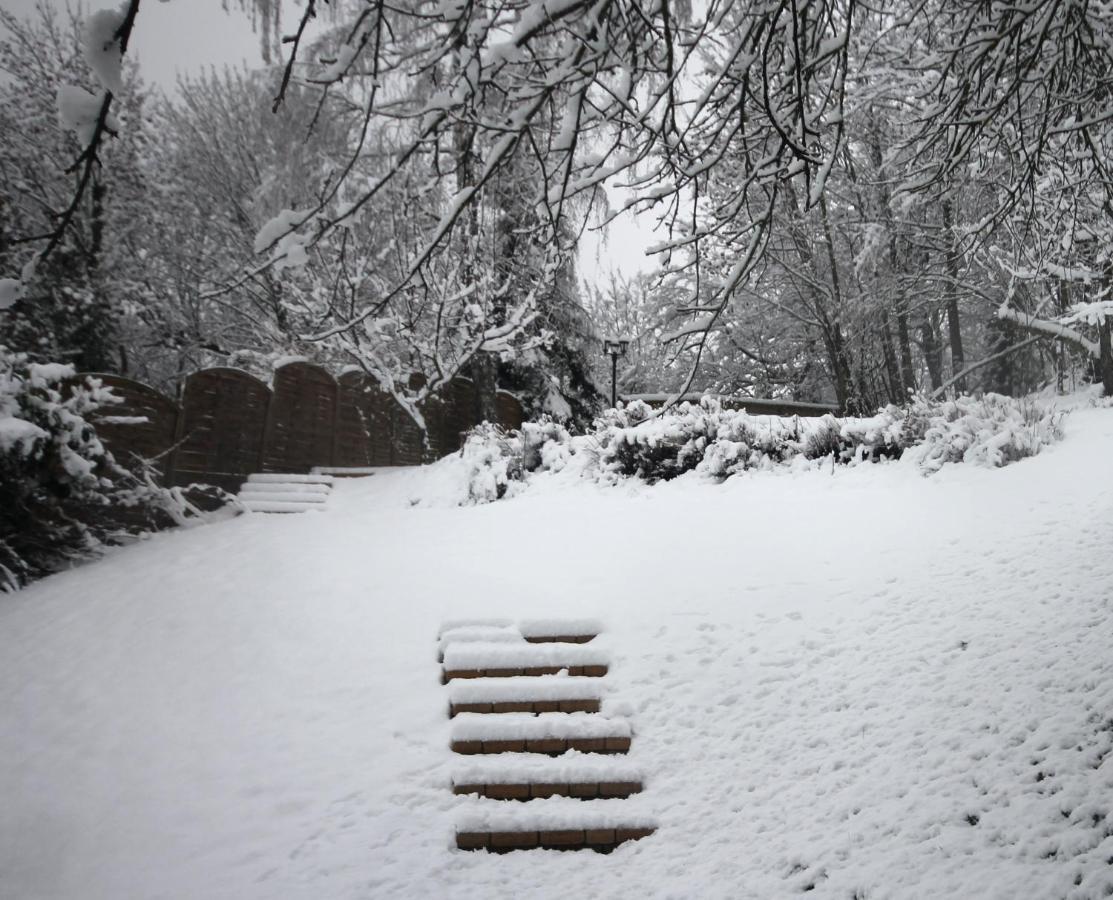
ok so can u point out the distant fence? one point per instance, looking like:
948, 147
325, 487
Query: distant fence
229, 424
755, 406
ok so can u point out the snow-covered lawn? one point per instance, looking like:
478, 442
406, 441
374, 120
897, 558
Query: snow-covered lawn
866, 682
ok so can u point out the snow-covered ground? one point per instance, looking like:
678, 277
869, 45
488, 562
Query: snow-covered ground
864, 683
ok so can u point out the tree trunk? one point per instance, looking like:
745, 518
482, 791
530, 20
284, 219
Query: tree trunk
485, 376
1105, 356
933, 352
892, 374
958, 358
483, 365
907, 372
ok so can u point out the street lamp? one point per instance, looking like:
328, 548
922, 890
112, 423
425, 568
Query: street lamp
615, 347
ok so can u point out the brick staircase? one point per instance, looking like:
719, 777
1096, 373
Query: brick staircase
527, 711
272, 492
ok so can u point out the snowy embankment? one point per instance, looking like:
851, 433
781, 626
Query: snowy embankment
859, 682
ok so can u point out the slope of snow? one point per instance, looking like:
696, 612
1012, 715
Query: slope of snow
862, 683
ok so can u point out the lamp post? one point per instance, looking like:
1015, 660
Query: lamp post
615, 347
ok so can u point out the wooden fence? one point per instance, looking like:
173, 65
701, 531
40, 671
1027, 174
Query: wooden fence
228, 424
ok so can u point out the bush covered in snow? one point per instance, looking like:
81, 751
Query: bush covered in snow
492, 460
633, 442
61, 492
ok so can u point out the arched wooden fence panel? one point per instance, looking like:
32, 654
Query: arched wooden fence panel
364, 432
221, 430
142, 426
302, 419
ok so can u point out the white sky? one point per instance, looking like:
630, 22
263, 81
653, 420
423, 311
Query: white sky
186, 36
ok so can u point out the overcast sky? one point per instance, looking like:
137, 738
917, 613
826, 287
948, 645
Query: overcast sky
186, 36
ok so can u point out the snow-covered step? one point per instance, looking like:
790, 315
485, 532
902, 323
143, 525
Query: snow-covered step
558, 823
502, 660
566, 631
461, 624
465, 634
278, 506
551, 733
289, 487
276, 492
284, 478
279, 493
523, 777
531, 768
545, 693
344, 471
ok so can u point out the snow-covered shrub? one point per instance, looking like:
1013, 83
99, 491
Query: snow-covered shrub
632, 442
991, 430
824, 438
873, 438
545, 445
492, 460
61, 492
656, 449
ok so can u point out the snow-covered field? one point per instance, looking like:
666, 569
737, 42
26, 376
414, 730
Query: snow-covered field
864, 683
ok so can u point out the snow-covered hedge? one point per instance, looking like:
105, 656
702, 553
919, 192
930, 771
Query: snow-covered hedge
61, 492
630, 442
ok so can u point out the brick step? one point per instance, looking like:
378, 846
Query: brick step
478, 634
549, 733
537, 694
570, 768
275, 506
583, 790
457, 624
512, 659
529, 672
560, 631
508, 659
566, 705
549, 746
281, 495
287, 478
285, 487
344, 471
601, 840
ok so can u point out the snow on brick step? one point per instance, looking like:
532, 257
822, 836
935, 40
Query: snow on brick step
529, 768
544, 693
292, 487
345, 471
457, 624
571, 631
276, 506
478, 634
279, 495
553, 823
277, 477
551, 733
500, 660
534, 790
597, 839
